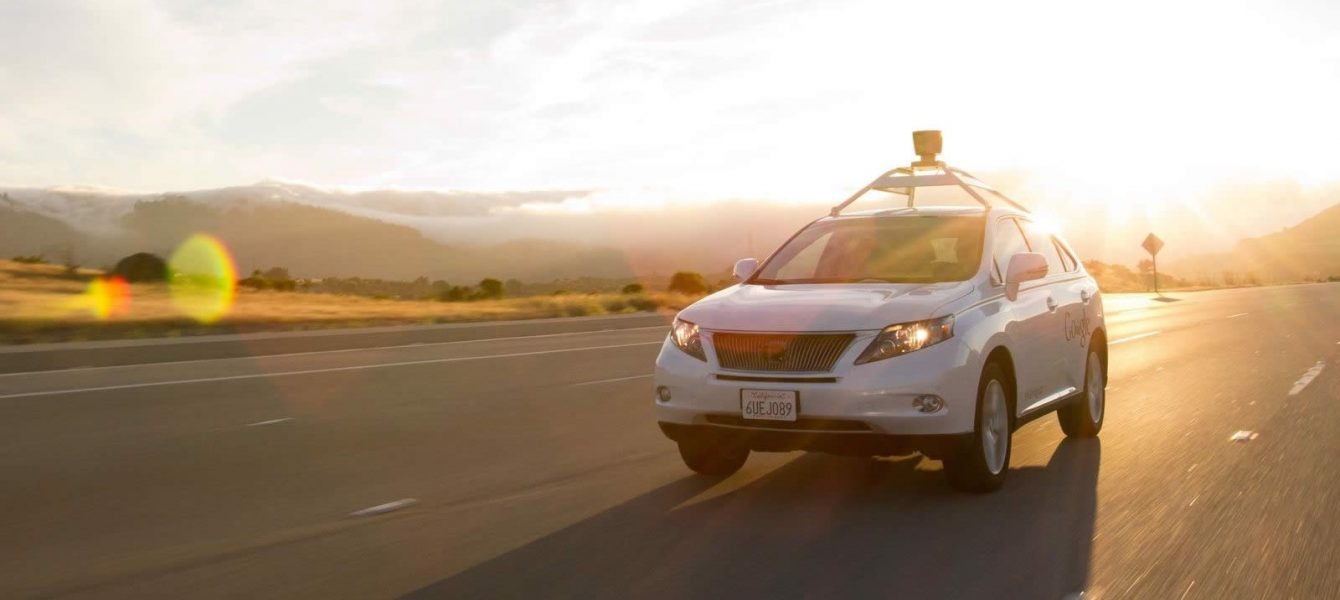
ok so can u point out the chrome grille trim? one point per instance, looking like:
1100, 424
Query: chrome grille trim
780, 352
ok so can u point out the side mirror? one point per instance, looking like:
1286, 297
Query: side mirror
744, 268
1024, 266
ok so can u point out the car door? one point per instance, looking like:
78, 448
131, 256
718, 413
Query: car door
1079, 311
1030, 323
1065, 347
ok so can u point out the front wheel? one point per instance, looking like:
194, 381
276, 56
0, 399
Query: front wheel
712, 456
981, 467
1084, 417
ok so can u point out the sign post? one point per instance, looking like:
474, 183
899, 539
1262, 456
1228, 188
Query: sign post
1152, 245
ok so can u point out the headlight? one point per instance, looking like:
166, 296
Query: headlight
685, 335
902, 338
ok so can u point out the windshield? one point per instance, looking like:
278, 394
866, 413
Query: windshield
891, 250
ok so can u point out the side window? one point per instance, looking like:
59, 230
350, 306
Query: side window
1067, 259
1009, 241
1041, 243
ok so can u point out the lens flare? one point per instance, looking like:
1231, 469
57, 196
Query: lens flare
202, 278
106, 297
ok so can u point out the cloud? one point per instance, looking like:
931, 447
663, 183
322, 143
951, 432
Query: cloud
650, 101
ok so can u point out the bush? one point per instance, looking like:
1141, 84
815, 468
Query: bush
141, 267
616, 305
454, 293
643, 303
632, 288
36, 259
688, 282
256, 281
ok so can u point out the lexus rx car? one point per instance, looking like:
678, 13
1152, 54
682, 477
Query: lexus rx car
931, 329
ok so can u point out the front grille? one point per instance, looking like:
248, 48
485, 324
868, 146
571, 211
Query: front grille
780, 351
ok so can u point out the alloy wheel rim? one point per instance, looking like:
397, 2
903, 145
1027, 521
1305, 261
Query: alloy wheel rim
995, 427
1096, 399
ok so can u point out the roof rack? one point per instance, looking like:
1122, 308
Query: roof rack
928, 172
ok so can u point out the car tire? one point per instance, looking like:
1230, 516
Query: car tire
1084, 417
713, 457
982, 466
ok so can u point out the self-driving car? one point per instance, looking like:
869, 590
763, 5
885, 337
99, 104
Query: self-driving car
915, 327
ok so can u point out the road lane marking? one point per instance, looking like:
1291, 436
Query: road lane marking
1236, 316
1132, 338
382, 509
270, 422
313, 371
1307, 378
359, 349
614, 379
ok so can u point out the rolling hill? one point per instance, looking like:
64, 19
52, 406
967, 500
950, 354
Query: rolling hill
310, 241
1307, 251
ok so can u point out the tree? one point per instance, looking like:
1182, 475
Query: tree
140, 267
277, 274
632, 288
688, 282
490, 289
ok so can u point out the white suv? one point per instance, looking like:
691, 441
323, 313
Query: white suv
938, 330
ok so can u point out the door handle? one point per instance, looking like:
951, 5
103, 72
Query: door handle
1051, 304
1084, 296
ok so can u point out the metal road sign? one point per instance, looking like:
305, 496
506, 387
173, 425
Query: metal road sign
1152, 244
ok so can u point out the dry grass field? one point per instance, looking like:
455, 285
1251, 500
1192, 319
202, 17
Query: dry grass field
45, 303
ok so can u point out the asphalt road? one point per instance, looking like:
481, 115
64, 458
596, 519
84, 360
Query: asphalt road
523, 461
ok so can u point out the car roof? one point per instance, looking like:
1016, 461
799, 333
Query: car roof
925, 211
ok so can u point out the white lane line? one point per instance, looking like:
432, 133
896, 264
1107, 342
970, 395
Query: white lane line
1236, 316
1188, 590
312, 371
382, 509
270, 422
1307, 378
314, 352
1243, 435
1132, 338
614, 379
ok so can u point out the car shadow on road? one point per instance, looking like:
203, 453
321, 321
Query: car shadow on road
819, 526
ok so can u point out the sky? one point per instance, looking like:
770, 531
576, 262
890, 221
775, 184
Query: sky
1112, 111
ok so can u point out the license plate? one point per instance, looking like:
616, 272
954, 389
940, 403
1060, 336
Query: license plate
769, 405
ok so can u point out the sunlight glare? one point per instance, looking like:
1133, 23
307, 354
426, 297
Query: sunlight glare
202, 278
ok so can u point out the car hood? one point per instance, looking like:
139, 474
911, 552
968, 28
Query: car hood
822, 307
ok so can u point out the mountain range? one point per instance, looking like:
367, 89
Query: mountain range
393, 234
532, 235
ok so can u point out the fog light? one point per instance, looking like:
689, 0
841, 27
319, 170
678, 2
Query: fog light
662, 393
928, 404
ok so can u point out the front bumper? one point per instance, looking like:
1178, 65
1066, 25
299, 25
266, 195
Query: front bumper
871, 403
851, 444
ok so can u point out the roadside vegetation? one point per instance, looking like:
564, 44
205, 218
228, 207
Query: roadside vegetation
1120, 278
42, 302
